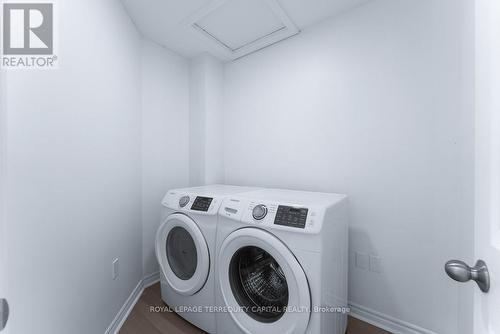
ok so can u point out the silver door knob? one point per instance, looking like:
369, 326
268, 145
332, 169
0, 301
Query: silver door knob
461, 272
4, 313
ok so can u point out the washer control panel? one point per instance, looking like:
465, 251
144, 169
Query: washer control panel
201, 203
291, 216
280, 215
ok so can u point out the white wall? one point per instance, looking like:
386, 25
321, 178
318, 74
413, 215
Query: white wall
3, 179
206, 123
376, 104
165, 139
73, 175
486, 235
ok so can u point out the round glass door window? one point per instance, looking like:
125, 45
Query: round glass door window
181, 253
258, 284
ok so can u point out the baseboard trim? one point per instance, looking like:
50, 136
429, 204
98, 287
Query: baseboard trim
129, 304
119, 319
365, 314
386, 322
151, 279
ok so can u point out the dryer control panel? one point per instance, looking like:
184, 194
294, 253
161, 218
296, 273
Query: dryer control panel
201, 203
192, 203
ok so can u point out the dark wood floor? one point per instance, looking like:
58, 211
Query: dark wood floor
142, 321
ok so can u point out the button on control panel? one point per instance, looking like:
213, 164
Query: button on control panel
291, 216
201, 203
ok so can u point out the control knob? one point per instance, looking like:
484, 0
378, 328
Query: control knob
183, 201
259, 212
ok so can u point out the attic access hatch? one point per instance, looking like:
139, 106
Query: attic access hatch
239, 27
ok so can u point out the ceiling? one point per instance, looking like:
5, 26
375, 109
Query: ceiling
228, 29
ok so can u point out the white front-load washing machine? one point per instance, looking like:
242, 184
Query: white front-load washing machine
185, 248
282, 263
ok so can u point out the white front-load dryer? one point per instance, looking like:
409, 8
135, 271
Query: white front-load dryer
282, 263
185, 248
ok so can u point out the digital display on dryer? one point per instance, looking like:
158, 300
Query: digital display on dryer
201, 203
290, 216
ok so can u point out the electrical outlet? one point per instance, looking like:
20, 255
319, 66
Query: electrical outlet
114, 269
361, 260
375, 264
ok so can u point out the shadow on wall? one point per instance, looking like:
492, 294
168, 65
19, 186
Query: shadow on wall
365, 267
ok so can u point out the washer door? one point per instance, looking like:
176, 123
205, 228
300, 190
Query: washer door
263, 285
182, 253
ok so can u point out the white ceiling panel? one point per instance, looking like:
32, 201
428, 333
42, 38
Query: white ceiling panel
237, 23
242, 25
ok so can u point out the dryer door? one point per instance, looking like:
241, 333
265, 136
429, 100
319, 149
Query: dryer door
262, 283
182, 253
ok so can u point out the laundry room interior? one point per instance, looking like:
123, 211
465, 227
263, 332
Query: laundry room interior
355, 133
